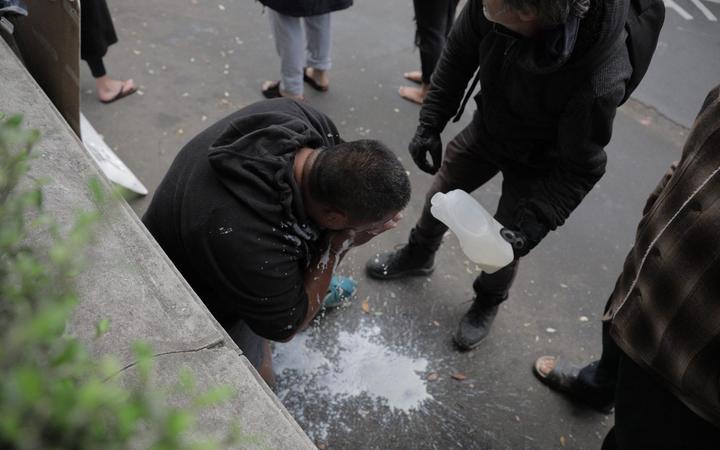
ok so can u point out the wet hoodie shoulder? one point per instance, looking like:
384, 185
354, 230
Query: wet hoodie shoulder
254, 157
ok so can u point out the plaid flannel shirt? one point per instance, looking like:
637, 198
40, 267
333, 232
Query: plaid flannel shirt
665, 308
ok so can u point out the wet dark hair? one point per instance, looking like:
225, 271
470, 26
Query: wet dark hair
553, 12
363, 179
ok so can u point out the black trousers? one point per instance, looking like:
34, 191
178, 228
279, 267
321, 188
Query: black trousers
647, 415
250, 343
97, 67
434, 19
466, 166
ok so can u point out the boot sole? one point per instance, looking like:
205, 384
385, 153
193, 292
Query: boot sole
467, 348
407, 273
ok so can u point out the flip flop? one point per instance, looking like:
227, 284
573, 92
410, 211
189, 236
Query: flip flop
408, 76
314, 84
564, 378
272, 90
561, 378
122, 93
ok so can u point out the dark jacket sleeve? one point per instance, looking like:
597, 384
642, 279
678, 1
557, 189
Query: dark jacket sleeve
584, 130
458, 62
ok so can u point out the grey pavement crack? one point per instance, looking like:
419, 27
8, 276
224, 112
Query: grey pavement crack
213, 345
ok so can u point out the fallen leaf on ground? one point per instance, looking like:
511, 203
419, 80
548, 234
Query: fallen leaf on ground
365, 305
458, 376
433, 376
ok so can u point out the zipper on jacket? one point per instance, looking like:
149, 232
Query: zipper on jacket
476, 79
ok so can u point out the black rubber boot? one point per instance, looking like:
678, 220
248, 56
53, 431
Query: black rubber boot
410, 260
475, 325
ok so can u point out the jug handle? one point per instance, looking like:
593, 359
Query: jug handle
517, 240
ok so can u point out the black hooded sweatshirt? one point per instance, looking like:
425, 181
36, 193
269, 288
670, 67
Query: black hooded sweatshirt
546, 104
230, 215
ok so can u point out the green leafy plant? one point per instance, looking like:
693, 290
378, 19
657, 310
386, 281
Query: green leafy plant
53, 394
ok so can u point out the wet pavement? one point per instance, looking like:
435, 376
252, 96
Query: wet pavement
382, 371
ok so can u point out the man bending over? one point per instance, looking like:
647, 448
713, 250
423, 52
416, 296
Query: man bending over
257, 210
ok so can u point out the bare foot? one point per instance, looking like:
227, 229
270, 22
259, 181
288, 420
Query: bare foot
415, 76
109, 90
414, 94
320, 79
271, 89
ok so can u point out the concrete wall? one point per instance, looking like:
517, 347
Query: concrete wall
130, 281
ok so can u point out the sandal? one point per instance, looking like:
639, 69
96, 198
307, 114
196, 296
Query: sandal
122, 92
561, 378
564, 378
314, 84
271, 89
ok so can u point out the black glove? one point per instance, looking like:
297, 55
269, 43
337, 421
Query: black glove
528, 233
426, 141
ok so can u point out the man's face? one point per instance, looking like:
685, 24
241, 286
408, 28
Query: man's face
380, 225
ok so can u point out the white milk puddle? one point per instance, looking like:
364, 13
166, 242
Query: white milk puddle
356, 364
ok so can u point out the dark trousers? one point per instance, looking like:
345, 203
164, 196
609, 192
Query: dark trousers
466, 166
250, 343
434, 19
647, 415
97, 67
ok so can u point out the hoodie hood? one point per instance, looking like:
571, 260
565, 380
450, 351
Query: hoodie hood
578, 42
256, 152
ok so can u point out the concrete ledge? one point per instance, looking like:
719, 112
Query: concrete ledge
130, 282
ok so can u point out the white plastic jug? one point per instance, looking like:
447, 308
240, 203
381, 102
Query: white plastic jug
476, 229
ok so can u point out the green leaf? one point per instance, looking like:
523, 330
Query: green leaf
96, 191
214, 396
102, 327
186, 380
143, 354
29, 382
129, 416
71, 352
178, 421
14, 121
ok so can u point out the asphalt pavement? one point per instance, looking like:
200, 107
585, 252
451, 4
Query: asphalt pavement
382, 371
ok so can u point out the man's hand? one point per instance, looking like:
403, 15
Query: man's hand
426, 141
361, 237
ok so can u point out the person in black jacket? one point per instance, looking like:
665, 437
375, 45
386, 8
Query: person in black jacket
552, 73
302, 58
257, 210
